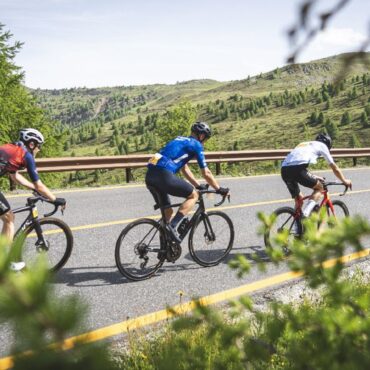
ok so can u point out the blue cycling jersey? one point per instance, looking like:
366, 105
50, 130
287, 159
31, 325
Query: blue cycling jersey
176, 153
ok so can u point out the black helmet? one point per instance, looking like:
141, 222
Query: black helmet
201, 128
326, 139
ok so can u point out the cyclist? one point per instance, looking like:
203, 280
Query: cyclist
294, 169
173, 157
16, 156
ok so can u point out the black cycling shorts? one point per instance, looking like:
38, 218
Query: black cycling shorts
294, 175
4, 204
166, 183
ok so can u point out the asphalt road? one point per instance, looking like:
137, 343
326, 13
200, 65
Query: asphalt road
97, 216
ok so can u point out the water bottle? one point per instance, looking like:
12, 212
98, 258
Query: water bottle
182, 227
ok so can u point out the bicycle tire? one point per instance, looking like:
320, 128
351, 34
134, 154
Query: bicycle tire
63, 238
128, 244
338, 204
284, 217
223, 221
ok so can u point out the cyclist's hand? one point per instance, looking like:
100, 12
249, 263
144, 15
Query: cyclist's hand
60, 202
223, 191
202, 187
348, 183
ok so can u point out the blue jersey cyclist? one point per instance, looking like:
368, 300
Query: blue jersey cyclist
14, 157
172, 158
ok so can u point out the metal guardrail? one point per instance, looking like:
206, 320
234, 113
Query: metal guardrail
129, 162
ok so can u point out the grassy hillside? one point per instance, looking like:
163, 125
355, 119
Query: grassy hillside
272, 110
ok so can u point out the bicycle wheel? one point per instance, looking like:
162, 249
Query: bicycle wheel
284, 222
340, 210
57, 242
139, 249
211, 238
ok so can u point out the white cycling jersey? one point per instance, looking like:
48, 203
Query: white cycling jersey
306, 153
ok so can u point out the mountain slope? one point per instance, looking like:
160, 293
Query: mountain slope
270, 110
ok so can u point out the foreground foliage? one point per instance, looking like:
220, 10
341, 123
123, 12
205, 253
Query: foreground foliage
332, 332
37, 317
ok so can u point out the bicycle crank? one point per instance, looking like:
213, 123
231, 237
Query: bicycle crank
173, 252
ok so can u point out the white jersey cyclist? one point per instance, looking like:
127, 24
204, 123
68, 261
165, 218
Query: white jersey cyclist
294, 169
307, 153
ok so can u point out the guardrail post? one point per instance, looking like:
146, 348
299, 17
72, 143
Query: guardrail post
354, 161
12, 184
128, 175
218, 168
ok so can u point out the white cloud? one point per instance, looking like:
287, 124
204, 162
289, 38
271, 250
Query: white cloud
340, 37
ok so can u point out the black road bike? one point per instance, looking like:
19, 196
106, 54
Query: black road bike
47, 235
145, 244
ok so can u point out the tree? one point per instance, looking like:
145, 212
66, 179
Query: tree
364, 118
176, 122
346, 118
320, 118
332, 128
18, 109
354, 141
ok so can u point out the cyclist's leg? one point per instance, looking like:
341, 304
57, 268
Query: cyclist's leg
154, 180
309, 180
181, 188
289, 176
7, 217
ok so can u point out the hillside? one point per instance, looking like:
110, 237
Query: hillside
272, 110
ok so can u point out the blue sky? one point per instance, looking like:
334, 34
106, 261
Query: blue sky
75, 43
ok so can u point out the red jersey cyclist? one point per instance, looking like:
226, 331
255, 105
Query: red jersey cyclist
294, 169
14, 157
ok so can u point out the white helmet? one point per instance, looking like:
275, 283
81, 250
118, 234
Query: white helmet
28, 134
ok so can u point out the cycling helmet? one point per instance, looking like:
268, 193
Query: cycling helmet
28, 134
325, 138
201, 128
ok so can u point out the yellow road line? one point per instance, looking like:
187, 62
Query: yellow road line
155, 317
113, 187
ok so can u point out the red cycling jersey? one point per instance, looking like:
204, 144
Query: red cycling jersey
14, 157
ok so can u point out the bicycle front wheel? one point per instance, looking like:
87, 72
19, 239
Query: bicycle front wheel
340, 211
211, 238
140, 249
55, 241
284, 222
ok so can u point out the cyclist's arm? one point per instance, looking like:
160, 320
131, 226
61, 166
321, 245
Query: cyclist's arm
21, 180
339, 174
44, 190
208, 176
189, 175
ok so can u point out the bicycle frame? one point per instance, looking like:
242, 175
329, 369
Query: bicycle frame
198, 211
326, 201
30, 219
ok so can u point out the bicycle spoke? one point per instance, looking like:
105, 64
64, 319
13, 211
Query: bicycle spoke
211, 239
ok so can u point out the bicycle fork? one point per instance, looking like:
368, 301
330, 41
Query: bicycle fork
209, 233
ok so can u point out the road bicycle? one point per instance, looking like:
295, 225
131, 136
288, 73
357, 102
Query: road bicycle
145, 244
47, 235
290, 219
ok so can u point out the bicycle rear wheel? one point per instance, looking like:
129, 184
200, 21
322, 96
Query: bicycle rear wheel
211, 238
56, 242
284, 222
139, 249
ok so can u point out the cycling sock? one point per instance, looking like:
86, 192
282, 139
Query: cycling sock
175, 221
309, 207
